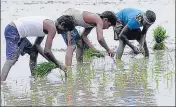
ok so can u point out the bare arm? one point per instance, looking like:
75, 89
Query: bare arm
85, 39
100, 38
94, 18
68, 33
34, 55
50, 27
143, 36
124, 38
39, 48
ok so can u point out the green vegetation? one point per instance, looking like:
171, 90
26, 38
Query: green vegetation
88, 53
43, 69
159, 34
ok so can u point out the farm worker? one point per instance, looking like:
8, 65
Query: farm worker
33, 26
129, 21
88, 21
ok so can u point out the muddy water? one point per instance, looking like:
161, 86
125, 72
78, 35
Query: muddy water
99, 81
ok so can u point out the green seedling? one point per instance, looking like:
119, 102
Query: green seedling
159, 35
159, 46
43, 69
88, 53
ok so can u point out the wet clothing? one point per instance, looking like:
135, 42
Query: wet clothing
30, 26
16, 45
130, 17
16, 41
78, 16
131, 34
75, 36
79, 21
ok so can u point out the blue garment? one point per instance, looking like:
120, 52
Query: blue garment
16, 45
74, 37
128, 17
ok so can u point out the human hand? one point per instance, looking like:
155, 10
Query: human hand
111, 53
62, 66
136, 50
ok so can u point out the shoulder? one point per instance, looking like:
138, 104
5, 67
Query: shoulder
49, 24
49, 21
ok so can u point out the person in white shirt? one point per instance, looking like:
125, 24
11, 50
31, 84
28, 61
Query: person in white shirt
33, 26
88, 21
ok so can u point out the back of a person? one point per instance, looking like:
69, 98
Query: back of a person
125, 15
30, 26
78, 16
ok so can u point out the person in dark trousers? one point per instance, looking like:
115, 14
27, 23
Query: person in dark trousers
129, 21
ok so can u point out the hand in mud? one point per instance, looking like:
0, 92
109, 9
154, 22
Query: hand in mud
136, 50
62, 67
111, 53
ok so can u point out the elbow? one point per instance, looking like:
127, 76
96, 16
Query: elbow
100, 38
46, 52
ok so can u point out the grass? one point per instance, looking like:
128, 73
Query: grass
43, 69
159, 46
88, 54
159, 34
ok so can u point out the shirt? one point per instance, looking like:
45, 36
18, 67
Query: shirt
130, 17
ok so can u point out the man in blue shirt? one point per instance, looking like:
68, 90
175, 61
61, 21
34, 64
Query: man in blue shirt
129, 21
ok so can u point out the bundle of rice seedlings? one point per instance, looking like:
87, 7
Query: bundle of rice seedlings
43, 69
159, 34
89, 53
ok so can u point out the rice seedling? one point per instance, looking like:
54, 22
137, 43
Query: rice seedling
49, 99
159, 35
89, 53
43, 69
159, 46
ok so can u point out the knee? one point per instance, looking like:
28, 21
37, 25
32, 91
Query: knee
71, 48
10, 62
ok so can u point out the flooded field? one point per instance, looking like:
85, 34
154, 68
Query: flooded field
134, 81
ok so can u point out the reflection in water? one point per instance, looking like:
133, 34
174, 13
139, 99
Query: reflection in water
121, 83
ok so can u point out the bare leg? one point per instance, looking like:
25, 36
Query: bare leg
6, 68
120, 49
79, 51
69, 55
33, 61
146, 49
